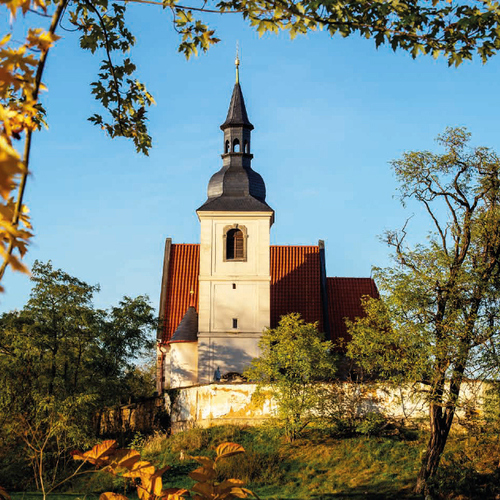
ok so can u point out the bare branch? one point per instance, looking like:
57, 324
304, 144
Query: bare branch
442, 233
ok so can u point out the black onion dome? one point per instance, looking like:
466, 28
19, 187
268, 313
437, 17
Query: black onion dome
187, 331
236, 187
237, 113
236, 180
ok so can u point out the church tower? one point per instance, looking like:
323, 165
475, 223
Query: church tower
234, 279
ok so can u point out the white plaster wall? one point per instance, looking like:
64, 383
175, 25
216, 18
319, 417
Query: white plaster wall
229, 352
232, 290
246, 301
212, 263
183, 364
216, 404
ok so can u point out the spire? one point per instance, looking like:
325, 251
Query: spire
236, 187
237, 113
237, 64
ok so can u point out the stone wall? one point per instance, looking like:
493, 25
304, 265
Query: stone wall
216, 404
232, 403
142, 416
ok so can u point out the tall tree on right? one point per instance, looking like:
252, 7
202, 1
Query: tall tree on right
439, 316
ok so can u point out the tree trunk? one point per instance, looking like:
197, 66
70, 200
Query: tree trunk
441, 420
440, 428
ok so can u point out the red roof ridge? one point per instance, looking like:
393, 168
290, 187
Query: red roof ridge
294, 246
349, 278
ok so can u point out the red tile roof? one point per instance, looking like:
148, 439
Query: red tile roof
344, 301
295, 283
183, 271
295, 287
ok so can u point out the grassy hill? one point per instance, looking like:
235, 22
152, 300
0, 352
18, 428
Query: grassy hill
323, 466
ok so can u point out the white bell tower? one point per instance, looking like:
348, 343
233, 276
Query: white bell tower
234, 280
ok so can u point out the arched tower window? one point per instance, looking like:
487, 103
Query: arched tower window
226, 147
236, 146
235, 246
246, 147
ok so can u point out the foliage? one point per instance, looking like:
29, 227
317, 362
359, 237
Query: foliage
147, 478
469, 470
343, 406
293, 358
372, 424
439, 319
319, 465
62, 360
457, 30
492, 408
347, 409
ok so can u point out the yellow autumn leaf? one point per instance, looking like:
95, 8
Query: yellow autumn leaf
17, 265
15, 5
6, 39
226, 450
173, 494
6, 76
206, 489
202, 474
143, 493
99, 454
112, 496
231, 483
41, 39
152, 484
206, 462
241, 492
12, 260
141, 468
125, 459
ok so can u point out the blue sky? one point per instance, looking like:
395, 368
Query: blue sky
329, 114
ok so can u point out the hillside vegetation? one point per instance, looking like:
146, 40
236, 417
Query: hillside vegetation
323, 465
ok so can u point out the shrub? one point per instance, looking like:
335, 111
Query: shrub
372, 424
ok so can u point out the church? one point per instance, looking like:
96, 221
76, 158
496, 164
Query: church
218, 296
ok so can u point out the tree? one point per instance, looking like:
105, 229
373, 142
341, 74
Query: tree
457, 30
293, 359
439, 318
61, 361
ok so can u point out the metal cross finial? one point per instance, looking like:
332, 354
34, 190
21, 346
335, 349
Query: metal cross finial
237, 63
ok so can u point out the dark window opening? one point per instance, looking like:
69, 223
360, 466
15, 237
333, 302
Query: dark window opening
234, 245
226, 148
246, 147
236, 146
235, 322
234, 286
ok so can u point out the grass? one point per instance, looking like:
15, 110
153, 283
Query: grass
324, 466
318, 466
54, 496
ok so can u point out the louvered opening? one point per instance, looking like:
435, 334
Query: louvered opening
234, 245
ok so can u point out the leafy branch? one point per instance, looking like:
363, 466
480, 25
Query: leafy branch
29, 89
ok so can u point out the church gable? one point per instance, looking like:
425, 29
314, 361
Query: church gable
295, 287
295, 283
